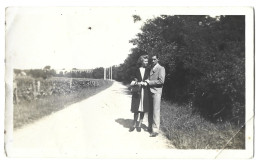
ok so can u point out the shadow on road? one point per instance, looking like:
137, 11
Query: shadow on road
125, 91
127, 123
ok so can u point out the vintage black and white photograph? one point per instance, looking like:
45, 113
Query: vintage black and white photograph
129, 82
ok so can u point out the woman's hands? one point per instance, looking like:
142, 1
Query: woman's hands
143, 83
139, 83
133, 83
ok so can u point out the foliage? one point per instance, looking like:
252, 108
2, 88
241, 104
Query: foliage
79, 74
98, 73
47, 72
40, 73
204, 58
47, 67
188, 130
27, 88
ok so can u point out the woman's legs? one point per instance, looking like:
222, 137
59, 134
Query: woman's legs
141, 119
134, 123
138, 128
135, 119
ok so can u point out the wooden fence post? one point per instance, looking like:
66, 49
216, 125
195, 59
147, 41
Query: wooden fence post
70, 83
16, 99
38, 86
34, 89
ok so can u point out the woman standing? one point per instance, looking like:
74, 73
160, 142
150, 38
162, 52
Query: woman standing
140, 92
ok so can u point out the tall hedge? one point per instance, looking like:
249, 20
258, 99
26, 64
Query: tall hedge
204, 59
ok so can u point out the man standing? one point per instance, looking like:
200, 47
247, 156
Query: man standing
156, 81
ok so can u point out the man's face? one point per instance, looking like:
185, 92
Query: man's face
154, 60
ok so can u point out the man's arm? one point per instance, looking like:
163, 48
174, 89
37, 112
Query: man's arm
161, 78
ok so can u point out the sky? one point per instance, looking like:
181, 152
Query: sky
61, 36
70, 37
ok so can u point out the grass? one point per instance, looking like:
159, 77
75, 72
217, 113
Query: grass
188, 130
28, 112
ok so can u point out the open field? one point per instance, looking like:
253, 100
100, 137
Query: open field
54, 94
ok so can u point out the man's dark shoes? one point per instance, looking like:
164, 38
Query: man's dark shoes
150, 130
131, 129
153, 134
138, 129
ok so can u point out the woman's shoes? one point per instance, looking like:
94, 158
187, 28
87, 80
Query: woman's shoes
131, 129
138, 129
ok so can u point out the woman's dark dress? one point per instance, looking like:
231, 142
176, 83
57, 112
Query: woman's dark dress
136, 98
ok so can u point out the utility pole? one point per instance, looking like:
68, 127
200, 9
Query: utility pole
111, 72
105, 76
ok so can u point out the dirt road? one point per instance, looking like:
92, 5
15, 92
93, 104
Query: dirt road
94, 128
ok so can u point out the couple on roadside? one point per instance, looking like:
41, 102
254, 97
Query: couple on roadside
146, 90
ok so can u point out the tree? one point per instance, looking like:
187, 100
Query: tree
61, 74
98, 73
47, 67
17, 71
204, 58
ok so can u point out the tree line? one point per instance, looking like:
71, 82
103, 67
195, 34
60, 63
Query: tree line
47, 72
204, 58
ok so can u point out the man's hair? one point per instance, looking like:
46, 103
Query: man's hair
157, 56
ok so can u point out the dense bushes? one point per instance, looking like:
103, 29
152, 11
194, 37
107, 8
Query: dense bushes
204, 59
